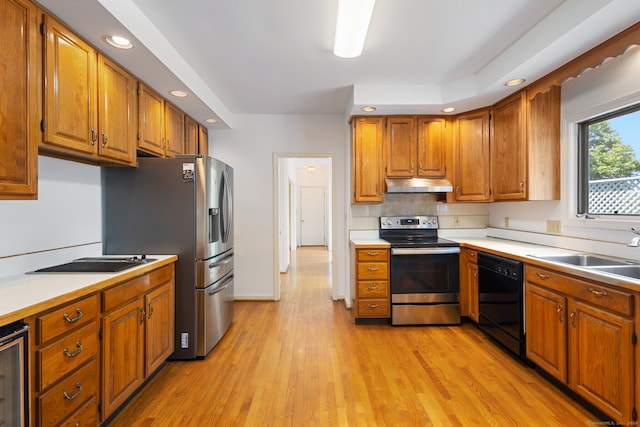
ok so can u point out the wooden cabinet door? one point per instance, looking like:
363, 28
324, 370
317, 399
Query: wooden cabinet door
116, 94
472, 274
19, 100
472, 156
123, 354
431, 147
367, 158
400, 147
602, 359
70, 88
159, 306
203, 140
544, 145
546, 330
191, 135
509, 149
174, 130
150, 121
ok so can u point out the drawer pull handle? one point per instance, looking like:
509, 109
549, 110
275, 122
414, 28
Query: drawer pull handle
372, 305
373, 253
598, 293
372, 269
373, 287
74, 395
74, 319
543, 276
472, 254
75, 353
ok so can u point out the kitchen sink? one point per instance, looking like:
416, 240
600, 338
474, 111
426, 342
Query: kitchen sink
584, 260
631, 271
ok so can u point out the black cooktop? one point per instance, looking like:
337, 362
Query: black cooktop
96, 265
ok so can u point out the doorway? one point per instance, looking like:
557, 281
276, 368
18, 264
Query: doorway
296, 181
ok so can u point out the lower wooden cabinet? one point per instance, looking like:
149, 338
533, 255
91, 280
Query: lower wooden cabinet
89, 355
65, 361
370, 282
469, 283
137, 328
582, 333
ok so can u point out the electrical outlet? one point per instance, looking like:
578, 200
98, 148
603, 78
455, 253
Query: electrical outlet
457, 222
506, 222
553, 226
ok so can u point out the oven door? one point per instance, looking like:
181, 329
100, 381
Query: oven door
425, 275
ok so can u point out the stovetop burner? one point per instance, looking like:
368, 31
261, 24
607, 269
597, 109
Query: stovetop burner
412, 232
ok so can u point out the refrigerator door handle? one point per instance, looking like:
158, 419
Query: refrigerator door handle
220, 287
226, 204
223, 261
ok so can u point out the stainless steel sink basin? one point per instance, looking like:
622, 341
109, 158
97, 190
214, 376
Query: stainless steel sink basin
632, 271
584, 260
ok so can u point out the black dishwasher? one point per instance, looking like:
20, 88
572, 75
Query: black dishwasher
501, 301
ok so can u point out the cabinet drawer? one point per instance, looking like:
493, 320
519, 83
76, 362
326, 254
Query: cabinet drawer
373, 270
595, 293
65, 355
373, 255
68, 395
373, 308
472, 256
373, 289
127, 291
66, 318
87, 415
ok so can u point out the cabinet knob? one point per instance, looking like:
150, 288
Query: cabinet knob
559, 310
104, 139
572, 316
94, 136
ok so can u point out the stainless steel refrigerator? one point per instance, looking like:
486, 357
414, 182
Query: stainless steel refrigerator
181, 206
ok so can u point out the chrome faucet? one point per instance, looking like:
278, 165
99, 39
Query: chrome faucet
635, 242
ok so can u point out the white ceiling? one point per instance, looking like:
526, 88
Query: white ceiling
275, 56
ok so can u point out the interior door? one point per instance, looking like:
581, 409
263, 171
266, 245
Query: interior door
312, 216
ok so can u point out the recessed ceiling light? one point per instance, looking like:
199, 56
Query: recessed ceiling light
368, 109
449, 109
212, 121
514, 82
118, 42
179, 93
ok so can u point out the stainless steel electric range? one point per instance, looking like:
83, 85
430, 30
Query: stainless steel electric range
425, 277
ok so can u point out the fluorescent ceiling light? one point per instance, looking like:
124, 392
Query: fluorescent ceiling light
352, 26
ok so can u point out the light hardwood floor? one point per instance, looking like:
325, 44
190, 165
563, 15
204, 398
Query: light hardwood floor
303, 362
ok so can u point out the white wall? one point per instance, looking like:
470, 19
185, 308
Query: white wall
64, 223
611, 86
249, 147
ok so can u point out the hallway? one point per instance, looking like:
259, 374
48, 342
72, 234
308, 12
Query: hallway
303, 361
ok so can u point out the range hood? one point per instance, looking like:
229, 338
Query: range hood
418, 185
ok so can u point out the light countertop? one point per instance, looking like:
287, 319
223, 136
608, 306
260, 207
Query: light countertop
24, 295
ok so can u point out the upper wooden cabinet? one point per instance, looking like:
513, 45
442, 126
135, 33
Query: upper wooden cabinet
415, 147
174, 130
150, 121
85, 116
203, 140
471, 139
367, 159
509, 148
191, 136
525, 147
19, 99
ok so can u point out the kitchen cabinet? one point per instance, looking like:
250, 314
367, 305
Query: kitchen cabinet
525, 147
150, 121
89, 101
469, 283
370, 283
20, 102
66, 364
203, 140
582, 332
472, 178
138, 332
174, 130
367, 159
191, 135
508, 141
415, 147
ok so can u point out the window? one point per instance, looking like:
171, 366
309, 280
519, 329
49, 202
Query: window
609, 165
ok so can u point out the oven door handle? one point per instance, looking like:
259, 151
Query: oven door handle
424, 251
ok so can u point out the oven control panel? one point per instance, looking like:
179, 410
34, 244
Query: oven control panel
408, 222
